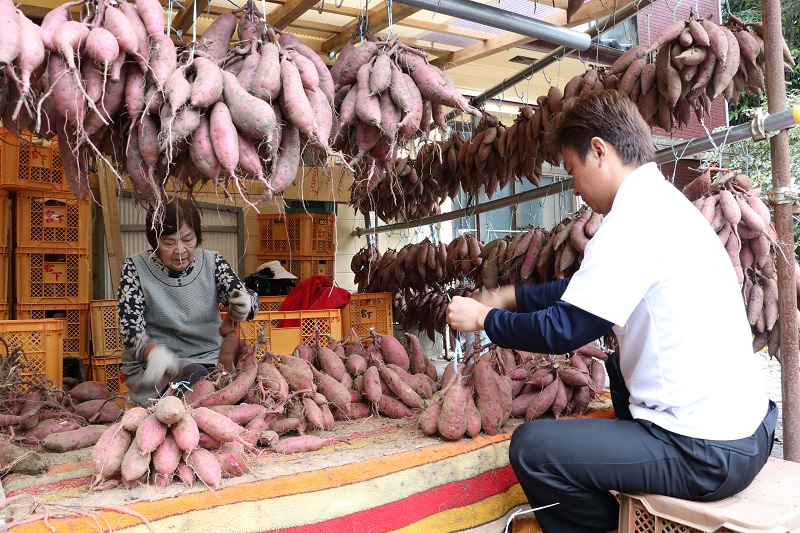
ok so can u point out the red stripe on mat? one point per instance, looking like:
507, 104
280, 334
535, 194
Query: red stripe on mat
54, 486
405, 512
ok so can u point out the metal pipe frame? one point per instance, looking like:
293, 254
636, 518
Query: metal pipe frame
504, 20
756, 128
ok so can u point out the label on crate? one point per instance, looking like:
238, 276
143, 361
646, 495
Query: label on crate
367, 312
54, 272
54, 216
40, 158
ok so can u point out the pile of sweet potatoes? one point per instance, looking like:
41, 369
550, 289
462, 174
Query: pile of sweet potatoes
487, 389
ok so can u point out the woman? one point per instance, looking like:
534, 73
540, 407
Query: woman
168, 304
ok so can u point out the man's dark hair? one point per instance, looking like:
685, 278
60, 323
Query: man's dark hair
174, 213
609, 115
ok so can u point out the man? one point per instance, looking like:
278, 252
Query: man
693, 419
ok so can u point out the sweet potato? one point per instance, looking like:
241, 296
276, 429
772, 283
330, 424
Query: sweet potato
241, 413
133, 418
185, 474
392, 350
89, 390
218, 426
272, 380
393, 408
306, 443
542, 402
135, 464
150, 434
163, 58
334, 391
356, 410
167, 457
50, 425
205, 466
453, 419
297, 379
372, 385
169, 410
217, 36
399, 388
330, 363
101, 411
232, 459
207, 85
233, 392
109, 452
74, 440
252, 116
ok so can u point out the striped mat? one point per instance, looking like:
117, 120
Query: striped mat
378, 476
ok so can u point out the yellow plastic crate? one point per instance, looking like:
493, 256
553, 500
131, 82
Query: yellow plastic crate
52, 218
76, 317
41, 340
105, 328
366, 311
106, 371
270, 303
283, 340
52, 275
31, 163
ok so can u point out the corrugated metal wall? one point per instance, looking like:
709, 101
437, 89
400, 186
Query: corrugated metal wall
220, 233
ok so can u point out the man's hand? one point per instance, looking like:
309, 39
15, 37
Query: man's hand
162, 365
239, 305
466, 314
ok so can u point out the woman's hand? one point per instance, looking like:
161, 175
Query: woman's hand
466, 314
161, 365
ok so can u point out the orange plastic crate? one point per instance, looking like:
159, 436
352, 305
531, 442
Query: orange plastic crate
3, 274
31, 163
304, 266
105, 328
52, 276
3, 215
76, 329
3, 311
366, 311
55, 218
283, 340
106, 371
279, 234
41, 340
322, 235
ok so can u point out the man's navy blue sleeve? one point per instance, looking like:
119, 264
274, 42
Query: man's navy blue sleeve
533, 297
558, 329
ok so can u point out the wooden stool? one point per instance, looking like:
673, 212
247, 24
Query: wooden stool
525, 525
771, 504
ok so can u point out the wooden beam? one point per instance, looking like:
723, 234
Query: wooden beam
590, 11
447, 29
378, 20
430, 46
185, 18
289, 12
111, 227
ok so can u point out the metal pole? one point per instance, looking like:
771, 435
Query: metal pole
504, 20
784, 226
757, 128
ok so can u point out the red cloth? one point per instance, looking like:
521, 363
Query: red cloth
316, 292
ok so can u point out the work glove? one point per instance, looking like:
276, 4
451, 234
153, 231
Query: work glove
162, 365
239, 305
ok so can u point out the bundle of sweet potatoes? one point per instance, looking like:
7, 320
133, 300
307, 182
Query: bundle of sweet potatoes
742, 221
487, 389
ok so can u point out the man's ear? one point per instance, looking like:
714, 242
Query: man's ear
599, 147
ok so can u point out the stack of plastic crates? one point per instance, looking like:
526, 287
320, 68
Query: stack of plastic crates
302, 242
51, 249
106, 346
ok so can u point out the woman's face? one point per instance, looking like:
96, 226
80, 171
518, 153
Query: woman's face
176, 251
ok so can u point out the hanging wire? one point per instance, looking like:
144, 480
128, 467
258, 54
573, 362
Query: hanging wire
389, 17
